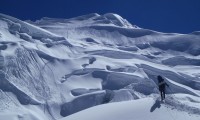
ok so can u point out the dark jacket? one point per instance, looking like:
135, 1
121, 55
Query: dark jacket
161, 83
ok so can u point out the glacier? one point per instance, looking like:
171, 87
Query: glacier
95, 67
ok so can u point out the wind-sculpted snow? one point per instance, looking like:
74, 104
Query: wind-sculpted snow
117, 20
81, 103
90, 40
128, 48
28, 31
117, 54
81, 91
182, 43
95, 67
181, 60
133, 33
86, 17
96, 98
115, 81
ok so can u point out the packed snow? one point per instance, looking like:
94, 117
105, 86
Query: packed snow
96, 67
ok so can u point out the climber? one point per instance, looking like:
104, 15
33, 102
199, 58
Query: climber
162, 84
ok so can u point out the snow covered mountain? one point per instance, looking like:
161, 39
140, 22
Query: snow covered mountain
96, 67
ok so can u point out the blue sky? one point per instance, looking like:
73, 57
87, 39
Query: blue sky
181, 16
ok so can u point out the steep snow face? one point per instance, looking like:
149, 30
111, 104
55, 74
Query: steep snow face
117, 20
54, 68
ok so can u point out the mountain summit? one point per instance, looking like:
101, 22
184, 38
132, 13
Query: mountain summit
95, 67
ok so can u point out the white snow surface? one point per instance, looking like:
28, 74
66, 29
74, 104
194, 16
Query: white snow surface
142, 109
96, 67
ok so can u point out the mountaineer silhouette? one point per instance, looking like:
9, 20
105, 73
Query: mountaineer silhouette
161, 85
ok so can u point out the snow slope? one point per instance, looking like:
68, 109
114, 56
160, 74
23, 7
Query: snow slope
142, 109
95, 66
